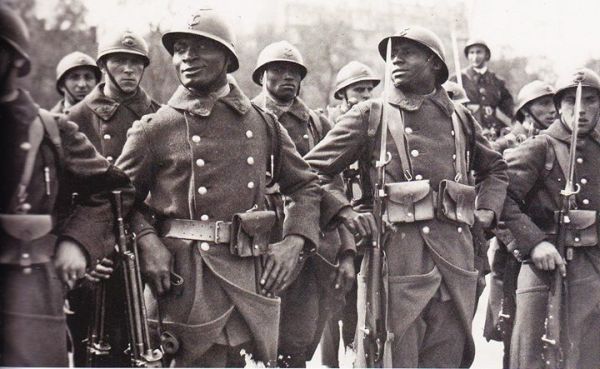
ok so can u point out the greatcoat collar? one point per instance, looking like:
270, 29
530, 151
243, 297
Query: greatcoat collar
187, 100
105, 107
297, 109
413, 102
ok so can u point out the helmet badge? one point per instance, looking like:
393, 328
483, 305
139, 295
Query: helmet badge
128, 41
194, 20
288, 52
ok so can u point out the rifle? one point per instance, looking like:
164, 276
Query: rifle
555, 341
350, 177
97, 346
141, 351
375, 330
456, 55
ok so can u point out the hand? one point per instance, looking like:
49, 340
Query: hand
358, 223
485, 217
70, 262
546, 257
345, 275
282, 258
155, 263
101, 271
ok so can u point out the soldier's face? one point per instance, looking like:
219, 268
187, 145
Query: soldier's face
282, 80
126, 69
79, 82
542, 109
413, 67
590, 109
199, 62
477, 56
359, 91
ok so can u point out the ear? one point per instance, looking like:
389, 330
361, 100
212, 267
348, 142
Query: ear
19, 63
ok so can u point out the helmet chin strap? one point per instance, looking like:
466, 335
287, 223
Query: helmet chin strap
536, 122
68, 92
114, 81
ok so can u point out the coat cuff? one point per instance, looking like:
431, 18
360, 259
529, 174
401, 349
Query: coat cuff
331, 204
527, 235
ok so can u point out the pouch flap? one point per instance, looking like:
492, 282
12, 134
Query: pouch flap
255, 222
408, 192
26, 227
582, 219
460, 193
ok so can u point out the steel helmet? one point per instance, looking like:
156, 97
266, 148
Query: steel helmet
210, 24
426, 38
14, 32
281, 51
480, 42
74, 60
456, 92
126, 42
529, 92
586, 76
351, 73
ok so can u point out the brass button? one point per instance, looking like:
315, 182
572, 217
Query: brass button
204, 246
453, 156
583, 181
110, 158
249, 134
425, 230
408, 130
106, 136
452, 132
250, 160
305, 137
200, 162
204, 217
579, 160
414, 153
586, 202
196, 138
418, 177
25, 255
25, 206
25, 146
459, 229
202, 190
250, 184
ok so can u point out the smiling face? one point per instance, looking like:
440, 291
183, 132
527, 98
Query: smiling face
126, 70
590, 109
200, 62
283, 80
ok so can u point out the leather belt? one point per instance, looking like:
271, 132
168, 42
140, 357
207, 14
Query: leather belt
198, 230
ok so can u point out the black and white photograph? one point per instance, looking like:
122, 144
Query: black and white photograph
300, 184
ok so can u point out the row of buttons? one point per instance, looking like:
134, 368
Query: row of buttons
196, 138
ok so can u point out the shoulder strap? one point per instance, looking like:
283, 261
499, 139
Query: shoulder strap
317, 125
468, 126
274, 131
558, 152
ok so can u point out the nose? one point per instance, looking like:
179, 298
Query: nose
81, 82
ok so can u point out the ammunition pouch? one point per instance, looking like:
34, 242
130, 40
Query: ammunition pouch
26, 239
250, 233
409, 202
456, 202
582, 230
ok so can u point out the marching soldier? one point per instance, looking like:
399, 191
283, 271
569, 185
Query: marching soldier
308, 302
354, 83
538, 171
535, 112
203, 159
430, 279
104, 116
38, 252
490, 101
76, 76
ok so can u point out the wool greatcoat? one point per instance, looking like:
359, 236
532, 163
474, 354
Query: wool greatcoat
533, 196
32, 320
430, 264
205, 158
309, 301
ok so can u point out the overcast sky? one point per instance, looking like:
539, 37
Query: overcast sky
560, 34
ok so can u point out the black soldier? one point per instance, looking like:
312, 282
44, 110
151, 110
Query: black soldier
39, 252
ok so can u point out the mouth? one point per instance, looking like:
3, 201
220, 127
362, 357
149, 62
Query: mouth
192, 70
288, 86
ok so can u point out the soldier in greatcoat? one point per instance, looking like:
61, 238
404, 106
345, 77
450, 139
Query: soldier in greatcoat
76, 76
105, 115
198, 164
42, 255
310, 300
489, 100
430, 276
538, 169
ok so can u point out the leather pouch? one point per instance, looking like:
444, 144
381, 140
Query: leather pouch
26, 227
456, 202
582, 229
250, 232
409, 202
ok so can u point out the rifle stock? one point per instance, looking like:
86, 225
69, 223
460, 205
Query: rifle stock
555, 341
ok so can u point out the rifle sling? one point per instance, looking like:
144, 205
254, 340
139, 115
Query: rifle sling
561, 152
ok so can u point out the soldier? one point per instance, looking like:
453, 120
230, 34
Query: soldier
307, 303
203, 159
76, 76
354, 83
38, 252
490, 102
104, 116
535, 112
430, 278
537, 170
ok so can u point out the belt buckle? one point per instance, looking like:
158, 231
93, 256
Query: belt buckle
218, 225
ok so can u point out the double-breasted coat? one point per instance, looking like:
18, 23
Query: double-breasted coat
205, 158
532, 198
426, 259
31, 294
